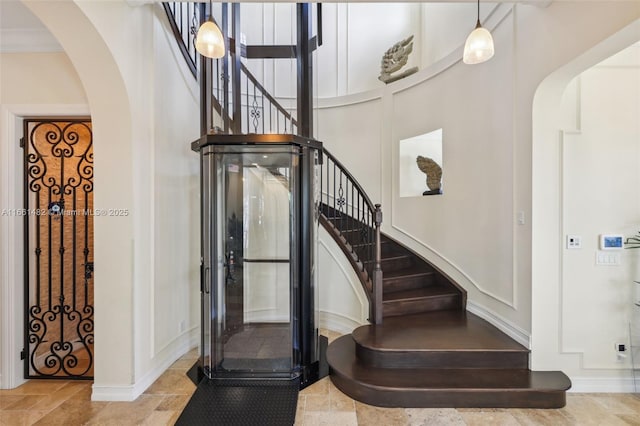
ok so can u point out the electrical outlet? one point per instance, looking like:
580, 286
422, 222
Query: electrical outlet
183, 326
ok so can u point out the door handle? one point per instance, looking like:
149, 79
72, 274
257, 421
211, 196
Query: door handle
207, 286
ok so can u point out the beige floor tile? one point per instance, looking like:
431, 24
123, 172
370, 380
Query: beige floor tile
174, 403
368, 415
300, 409
72, 412
320, 387
317, 403
172, 382
339, 401
631, 419
617, 403
160, 418
530, 417
36, 387
25, 402
20, 417
329, 418
8, 400
495, 418
433, 416
584, 409
183, 364
63, 394
127, 413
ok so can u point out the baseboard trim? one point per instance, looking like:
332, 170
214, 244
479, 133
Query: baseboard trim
508, 328
604, 385
337, 322
164, 360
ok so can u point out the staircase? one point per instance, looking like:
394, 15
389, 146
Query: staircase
430, 352
422, 348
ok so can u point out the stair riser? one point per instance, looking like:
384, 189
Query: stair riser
448, 398
396, 263
442, 359
388, 249
405, 307
407, 283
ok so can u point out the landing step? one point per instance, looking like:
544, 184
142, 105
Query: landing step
470, 387
440, 339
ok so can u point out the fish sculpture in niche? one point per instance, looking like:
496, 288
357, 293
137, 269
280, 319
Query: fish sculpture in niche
433, 172
394, 59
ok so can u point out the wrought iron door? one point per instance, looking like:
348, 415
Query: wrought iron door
58, 176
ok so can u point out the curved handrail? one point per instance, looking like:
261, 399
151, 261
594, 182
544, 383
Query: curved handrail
192, 16
354, 222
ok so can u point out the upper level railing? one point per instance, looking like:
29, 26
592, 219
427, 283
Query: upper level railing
185, 19
243, 105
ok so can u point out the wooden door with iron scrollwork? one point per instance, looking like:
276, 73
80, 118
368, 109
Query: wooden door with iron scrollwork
59, 312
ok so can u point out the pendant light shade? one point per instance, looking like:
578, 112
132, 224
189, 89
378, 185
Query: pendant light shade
209, 41
479, 45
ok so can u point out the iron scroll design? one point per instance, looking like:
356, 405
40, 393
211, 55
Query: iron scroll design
59, 314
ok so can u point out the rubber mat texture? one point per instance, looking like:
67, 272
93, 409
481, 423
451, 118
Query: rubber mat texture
242, 402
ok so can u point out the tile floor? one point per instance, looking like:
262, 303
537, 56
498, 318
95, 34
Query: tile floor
68, 403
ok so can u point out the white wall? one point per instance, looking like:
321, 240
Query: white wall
597, 178
176, 189
32, 84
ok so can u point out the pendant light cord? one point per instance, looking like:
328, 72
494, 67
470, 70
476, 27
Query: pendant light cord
478, 22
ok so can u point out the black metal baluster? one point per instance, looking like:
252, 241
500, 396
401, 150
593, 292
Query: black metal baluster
74, 228
61, 248
334, 190
49, 252
38, 250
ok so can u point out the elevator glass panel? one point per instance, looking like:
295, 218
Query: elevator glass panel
252, 253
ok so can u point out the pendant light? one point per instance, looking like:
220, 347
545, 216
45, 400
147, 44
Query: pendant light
209, 40
479, 45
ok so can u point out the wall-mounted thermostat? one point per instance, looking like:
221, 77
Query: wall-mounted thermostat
611, 242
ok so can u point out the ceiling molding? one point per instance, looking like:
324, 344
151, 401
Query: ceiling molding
28, 40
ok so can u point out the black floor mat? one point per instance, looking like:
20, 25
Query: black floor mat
242, 402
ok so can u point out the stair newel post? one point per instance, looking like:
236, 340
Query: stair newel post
377, 272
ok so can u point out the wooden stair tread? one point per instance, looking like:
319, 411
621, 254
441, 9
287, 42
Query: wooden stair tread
435, 331
420, 387
418, 293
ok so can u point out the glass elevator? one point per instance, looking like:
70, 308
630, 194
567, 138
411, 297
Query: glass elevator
259, 223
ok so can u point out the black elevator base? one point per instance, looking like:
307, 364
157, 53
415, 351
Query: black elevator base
242, 402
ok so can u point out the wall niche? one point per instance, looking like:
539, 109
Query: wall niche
420, 165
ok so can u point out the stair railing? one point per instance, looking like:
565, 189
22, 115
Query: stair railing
349, 211
346, 209
185, 19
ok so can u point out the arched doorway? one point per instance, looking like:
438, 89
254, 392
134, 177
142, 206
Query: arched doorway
563, 305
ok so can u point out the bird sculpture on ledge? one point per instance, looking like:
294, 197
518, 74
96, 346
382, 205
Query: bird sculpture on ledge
394, 59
